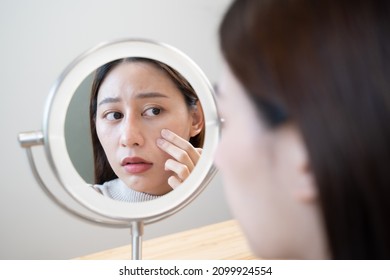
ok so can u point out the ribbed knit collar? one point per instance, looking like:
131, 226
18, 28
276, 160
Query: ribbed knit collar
117, 190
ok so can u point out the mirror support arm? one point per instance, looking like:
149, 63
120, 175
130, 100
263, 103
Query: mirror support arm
137, 230
30, 138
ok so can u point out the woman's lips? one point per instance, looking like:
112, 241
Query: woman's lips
136, 165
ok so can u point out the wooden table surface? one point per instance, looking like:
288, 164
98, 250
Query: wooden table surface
221, 241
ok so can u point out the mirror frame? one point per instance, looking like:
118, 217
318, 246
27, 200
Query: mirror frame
54, 132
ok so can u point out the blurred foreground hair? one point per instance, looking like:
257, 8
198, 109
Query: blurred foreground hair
324, 65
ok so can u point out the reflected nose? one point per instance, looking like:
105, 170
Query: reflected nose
131, 133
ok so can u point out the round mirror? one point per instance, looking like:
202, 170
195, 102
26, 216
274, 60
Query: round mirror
68, 140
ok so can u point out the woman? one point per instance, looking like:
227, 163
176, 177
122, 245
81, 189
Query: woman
307, 176
147, 129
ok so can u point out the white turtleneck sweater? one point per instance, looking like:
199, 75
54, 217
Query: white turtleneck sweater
118, 190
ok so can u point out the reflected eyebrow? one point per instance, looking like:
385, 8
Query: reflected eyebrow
110, 100
151, 95
142, 95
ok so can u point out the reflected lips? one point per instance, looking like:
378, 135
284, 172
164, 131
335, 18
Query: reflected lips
136, 165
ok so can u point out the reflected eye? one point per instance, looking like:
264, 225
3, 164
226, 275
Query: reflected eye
154, 111
114, 116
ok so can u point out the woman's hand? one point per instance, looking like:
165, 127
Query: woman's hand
185, 156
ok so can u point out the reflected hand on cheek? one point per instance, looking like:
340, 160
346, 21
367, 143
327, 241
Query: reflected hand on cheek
184, 156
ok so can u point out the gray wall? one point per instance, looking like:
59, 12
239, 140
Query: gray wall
38, 40
77, 131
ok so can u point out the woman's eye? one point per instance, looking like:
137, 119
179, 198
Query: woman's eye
114, 116
152, 112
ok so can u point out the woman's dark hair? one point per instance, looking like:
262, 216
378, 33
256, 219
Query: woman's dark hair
324, 65
102, 169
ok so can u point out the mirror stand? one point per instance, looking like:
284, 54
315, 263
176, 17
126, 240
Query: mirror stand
35, 138
137, 231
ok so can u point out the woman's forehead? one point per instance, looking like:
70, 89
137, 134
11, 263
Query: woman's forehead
139, 81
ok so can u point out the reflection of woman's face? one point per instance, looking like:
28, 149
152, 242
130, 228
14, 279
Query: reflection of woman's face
135, 102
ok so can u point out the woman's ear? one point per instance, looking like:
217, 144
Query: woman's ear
305, 188
294, 157
197, 119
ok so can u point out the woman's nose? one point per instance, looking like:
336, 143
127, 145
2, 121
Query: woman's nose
131, 133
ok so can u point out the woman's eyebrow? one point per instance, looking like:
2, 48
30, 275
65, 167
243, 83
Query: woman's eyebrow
110, 100
142, 95
151, 95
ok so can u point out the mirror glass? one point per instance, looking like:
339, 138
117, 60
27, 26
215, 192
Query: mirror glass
68, 140
135, 98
